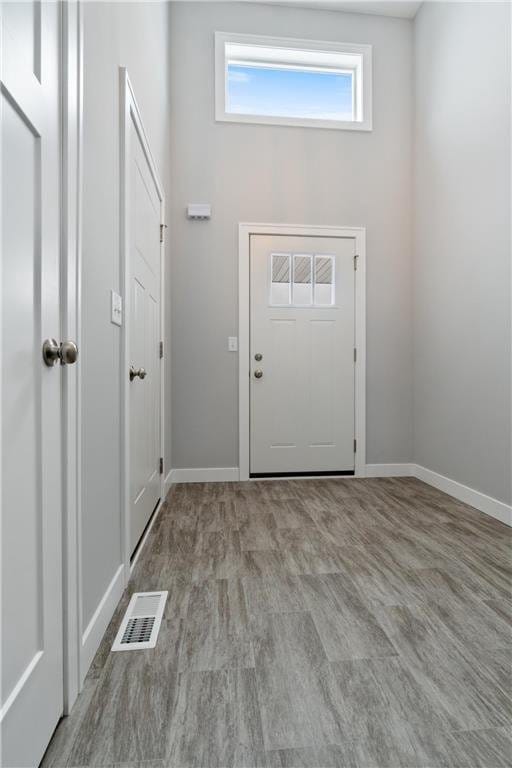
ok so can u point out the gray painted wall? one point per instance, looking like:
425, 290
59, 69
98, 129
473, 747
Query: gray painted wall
462, 387
281, 174
136, 36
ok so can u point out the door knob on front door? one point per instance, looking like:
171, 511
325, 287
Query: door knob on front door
67, 352
258, 373
140, 372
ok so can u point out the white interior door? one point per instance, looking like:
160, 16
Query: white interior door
32, 660
144, 337
301, 354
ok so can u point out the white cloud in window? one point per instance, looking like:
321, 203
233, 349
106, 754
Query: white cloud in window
238, 77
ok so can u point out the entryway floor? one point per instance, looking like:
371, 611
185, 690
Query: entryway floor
311, 623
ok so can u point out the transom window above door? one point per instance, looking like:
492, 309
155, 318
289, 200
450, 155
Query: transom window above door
301, 280
283, 81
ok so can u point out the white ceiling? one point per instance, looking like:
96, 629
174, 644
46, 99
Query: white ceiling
400, 8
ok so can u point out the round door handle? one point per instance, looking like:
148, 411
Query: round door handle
66, 353
140, 372
258, 373
50, 352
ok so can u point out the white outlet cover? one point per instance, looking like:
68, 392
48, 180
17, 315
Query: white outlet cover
116, 315
232, 343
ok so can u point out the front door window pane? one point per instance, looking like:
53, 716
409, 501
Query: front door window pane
302, 280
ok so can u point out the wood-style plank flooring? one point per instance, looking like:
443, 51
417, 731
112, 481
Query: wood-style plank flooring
310, 624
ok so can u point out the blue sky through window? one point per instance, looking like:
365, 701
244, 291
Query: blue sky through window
276, 92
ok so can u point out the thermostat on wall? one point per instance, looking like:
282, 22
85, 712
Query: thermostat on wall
199, 211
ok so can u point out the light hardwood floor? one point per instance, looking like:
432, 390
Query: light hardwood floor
310, 624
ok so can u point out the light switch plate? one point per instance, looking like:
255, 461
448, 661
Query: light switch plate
116, 316
232, 343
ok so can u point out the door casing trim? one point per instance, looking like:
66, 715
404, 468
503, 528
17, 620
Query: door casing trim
71, 37
245, 230
130, 112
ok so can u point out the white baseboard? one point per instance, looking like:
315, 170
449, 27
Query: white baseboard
142, 542
389, 470
492, 507
464, 493
168, 483
95, 630
231, 474
486, 504
207, 475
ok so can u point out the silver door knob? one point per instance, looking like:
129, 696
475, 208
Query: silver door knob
258, 373
68, 353
140, 372
53, 352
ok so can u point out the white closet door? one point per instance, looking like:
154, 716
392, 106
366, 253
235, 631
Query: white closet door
145, 335
32, 666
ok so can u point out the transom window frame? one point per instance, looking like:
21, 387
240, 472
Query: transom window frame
362, 73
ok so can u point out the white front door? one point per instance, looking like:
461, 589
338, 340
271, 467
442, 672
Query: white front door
31, 569
144, 337
301, 354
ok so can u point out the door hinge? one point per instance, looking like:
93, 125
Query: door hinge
355, 445
161, 465
356, 256
355, 355
161, 348
162, 227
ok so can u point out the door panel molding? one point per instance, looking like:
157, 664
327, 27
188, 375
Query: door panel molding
131, 117
245, 231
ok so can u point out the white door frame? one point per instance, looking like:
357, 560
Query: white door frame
71, 269
245, 230
130, 113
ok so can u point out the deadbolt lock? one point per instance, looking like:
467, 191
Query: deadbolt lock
258, 356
